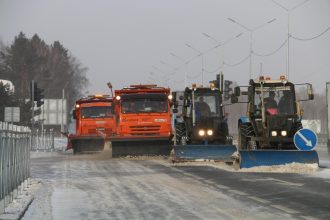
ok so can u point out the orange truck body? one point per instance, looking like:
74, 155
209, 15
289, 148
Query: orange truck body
95, 121
143, 120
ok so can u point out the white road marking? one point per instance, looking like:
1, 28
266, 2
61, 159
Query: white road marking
263, 201
238, 192
282, 182
285, 209
308, 217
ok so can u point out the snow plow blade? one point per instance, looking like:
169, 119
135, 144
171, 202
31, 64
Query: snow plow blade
182, 153
87, 144
253, 158
140, 147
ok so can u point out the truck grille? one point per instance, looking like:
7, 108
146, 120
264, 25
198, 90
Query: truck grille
145, 130
106, 130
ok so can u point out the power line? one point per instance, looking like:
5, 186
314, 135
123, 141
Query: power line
312, 38
271, 53
238, 63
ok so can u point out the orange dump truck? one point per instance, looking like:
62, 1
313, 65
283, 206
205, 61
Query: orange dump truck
95, 122
143, 121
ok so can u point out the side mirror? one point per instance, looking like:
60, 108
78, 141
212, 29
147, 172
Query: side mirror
310, 92
181, 97
175, 110
237, 91
233, 98
74, 116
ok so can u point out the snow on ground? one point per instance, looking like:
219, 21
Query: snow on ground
287, 168
60, 143
18, 206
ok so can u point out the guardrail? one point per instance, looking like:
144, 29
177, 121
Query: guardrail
43, 140
15, 144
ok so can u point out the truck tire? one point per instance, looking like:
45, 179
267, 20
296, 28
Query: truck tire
242, 139
180, 133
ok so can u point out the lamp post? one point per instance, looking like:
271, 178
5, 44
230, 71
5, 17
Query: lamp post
251, 30
186, 67
200, 54
288, 11
221, 44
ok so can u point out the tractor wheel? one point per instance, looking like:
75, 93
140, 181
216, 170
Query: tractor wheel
180, 133
242, 140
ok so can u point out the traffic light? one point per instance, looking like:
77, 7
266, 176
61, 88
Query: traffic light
227, 90
37, 94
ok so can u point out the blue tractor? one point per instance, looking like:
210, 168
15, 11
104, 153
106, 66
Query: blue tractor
266, 132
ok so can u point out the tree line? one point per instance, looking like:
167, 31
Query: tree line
51, 66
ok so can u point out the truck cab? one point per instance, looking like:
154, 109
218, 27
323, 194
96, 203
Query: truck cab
95, 120
143, 118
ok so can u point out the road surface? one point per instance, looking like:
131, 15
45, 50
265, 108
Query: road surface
95, 187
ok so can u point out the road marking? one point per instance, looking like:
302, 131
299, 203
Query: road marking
238, 192
285, 209
259, 199
308, 217
282, 182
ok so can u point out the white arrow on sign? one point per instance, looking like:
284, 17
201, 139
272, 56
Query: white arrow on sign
308, 143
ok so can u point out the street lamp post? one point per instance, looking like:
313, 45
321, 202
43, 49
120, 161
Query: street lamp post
186, 67
221, 44
288, 11
200, 54
251, 30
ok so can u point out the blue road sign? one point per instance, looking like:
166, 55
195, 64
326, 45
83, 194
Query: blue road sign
305, 139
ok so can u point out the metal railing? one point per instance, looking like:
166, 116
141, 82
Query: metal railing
15, 144
43, 140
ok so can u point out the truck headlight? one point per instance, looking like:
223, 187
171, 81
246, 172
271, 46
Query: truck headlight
274, 133
284, 133
209, 132
201, 132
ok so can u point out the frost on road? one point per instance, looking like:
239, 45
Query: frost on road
92, 187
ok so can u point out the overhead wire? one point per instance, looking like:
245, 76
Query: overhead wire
238, 63
311, 38
271, 53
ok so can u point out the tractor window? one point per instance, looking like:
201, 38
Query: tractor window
97, 112
147, 105
206, 105
277, 100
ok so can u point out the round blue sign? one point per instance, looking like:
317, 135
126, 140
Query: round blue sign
305, 139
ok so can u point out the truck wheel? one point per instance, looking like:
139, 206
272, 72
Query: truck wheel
242, 140
180, 132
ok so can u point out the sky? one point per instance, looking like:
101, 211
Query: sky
130, 42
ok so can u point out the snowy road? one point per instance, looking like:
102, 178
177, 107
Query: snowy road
94, 187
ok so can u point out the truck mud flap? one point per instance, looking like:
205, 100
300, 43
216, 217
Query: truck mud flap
253, 158
183, 153
128, 147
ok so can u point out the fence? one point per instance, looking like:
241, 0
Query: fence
15, 144
43, 140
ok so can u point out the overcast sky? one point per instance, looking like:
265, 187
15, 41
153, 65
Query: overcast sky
130, 41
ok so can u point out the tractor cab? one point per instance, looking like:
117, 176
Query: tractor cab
203, 119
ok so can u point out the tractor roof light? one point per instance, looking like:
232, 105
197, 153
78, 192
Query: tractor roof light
117, 97
267, 78
282, 77
201, 133
98, 96
261, 78
209, 132
274, 133
194, 85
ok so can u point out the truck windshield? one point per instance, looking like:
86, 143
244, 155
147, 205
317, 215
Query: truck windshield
277, 100
97, 112
146, 105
